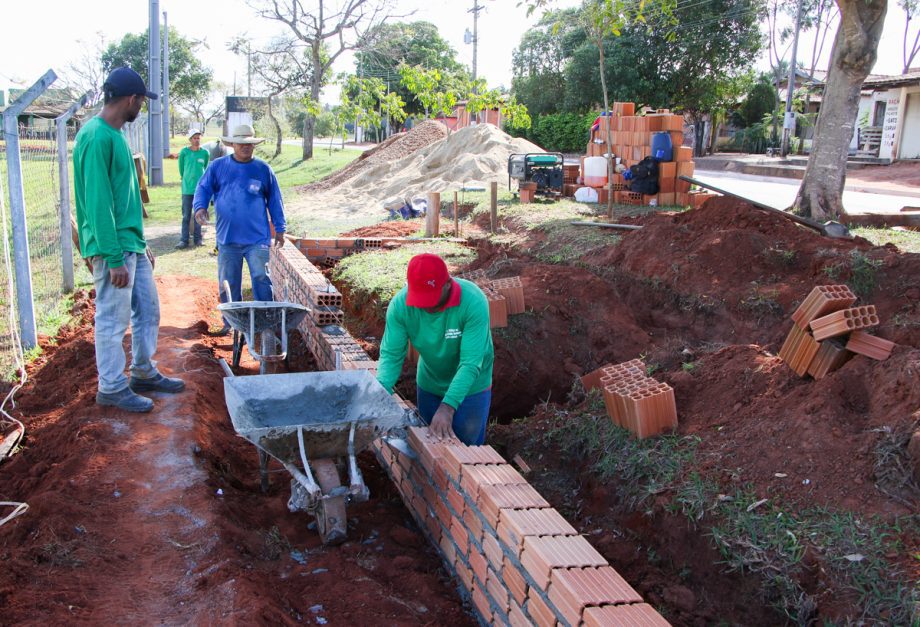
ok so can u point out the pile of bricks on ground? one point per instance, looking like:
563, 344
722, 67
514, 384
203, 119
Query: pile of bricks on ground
518, 560
827, 330
631, 137
322, 331
505, 296
634, 400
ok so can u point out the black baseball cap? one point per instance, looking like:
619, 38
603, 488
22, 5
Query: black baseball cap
124, 81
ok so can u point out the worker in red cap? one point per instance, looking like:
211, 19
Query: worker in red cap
447, 321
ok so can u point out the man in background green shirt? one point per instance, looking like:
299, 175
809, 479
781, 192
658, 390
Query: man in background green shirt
193, 160
111, 230
447, 321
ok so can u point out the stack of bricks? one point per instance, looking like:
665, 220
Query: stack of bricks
331, 345
634, 401
569, 180
505, 296
631, 137
516, 558
325, 251
827, 330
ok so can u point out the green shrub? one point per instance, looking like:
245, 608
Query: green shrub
560, 132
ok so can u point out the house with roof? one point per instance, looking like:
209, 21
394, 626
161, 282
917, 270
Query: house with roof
888, 121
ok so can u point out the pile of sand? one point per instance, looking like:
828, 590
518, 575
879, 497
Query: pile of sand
392, 149
474, 155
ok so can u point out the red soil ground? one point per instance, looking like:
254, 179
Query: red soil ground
159, 517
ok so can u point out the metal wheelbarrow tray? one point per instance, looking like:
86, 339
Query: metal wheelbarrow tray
311, 419
260, 318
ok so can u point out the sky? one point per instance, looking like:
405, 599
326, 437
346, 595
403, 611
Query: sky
65, 32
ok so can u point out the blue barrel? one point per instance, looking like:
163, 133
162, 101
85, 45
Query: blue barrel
661, 147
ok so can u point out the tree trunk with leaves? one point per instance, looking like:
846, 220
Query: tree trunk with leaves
271, 116
608, 156
855, 49
699, 133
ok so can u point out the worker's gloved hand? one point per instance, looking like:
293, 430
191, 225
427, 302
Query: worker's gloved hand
441, 422
201, 217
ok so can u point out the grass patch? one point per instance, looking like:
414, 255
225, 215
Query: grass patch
862, 273
376, 276
906, 241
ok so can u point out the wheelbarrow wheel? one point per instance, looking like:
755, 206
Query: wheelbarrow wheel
331, 521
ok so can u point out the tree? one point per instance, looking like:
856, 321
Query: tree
281, 66
327, 29
760, 101
187, 76
909, 51
85, 74
540, 60
427, 87
854, 53
205, 106
369, 101
388, 47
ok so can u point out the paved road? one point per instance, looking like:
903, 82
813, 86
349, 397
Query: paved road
780, 193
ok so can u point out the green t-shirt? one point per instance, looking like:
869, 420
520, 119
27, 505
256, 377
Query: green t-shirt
110, 216
192, 164
454, 345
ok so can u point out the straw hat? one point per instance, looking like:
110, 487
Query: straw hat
243, 134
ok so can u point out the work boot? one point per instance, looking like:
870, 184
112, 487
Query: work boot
182, 245
158, 383
125, 399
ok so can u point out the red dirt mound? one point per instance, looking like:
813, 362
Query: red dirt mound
394, 148
393, 228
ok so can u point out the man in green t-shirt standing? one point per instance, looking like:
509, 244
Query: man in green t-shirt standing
193, 160
447, 321
111, 230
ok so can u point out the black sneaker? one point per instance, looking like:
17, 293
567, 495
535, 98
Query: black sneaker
158, 383
182, 245
199, 244
125, 399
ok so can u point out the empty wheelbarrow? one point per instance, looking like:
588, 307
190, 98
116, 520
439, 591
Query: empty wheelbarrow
261, 320
312, 422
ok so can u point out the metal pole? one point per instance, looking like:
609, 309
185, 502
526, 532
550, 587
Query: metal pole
64, 183
155, 129
164, 93
789, 119
476, 10
28, 332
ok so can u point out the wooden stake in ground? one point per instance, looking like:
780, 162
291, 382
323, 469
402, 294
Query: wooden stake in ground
493, 205
433, 217
456, 216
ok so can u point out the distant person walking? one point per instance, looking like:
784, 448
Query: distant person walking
111, 231
245, 193
193, 160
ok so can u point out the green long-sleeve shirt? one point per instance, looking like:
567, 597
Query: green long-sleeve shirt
454, 345
192, 164
108, 198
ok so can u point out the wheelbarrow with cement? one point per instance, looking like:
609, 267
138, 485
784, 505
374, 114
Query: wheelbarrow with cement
260, 321
313, 422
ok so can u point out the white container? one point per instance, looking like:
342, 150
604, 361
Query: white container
595, 173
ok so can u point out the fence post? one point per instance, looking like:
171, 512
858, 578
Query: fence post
28, 332
60, 123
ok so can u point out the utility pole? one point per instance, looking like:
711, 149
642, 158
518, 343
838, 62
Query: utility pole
475, 11
164, 93
155, 115
248, 70
789, 120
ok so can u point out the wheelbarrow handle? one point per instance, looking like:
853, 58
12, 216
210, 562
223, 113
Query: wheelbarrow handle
227, 291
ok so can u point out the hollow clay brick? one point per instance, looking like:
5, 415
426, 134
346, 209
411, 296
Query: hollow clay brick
464, 574
448, 549
515, 525
473, 523
869, 345
635, 615
475, 476
457, 502
461, 538
481, 603
831, 355
494, 498
493, 551
479, 564
538, 611
517, 617
821, 301
456, 455
542, 554
496, 589
514, 581
573, 589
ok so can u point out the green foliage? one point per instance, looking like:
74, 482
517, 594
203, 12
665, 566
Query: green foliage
187, 75
369, 100
392, 45
862, 273
760, 101
427, 87
325, 124
561, 132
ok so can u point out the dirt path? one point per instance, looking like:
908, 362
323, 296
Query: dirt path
159, 518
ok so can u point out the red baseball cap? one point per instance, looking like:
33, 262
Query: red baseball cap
427, 274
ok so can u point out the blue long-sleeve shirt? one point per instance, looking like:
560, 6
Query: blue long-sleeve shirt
242, 192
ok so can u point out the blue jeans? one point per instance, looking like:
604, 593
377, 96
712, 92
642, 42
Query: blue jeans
186, 216
470, 419
230, 268
137, 304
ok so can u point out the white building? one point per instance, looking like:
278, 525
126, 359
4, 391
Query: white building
888, 121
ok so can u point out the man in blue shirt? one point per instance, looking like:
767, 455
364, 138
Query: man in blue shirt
245, 193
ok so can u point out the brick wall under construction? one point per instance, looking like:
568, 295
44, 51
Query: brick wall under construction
515, 558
